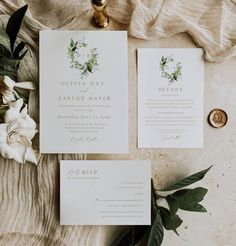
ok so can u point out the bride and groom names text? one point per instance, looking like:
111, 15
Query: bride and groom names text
84, 87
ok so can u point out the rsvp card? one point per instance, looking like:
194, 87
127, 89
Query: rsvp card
83, 92
105, 192
170, 98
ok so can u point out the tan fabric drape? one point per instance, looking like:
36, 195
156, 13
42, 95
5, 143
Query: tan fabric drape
29, 195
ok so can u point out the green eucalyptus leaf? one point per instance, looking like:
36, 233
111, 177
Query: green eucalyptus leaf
194, 207
188, 181
4, 39
173, 205
157, 232
179, 193
188, 199
170, 222
14, 23
190, 196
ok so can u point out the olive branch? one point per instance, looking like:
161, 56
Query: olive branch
174, 76
74, 55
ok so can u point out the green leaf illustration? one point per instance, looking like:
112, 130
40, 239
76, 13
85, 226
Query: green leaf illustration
14, 23
188, 181
170, 222
157, 232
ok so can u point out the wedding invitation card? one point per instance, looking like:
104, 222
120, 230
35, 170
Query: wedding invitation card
170, 98
83, 92
105, 192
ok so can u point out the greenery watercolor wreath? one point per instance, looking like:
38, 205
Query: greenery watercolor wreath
173, 76
74, 54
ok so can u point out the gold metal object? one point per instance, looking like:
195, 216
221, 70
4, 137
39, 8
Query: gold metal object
217, 118
100, 15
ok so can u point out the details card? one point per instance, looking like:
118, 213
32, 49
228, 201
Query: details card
105, 192
83, 92
170, 98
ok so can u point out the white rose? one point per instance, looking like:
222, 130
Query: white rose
7, 88
16, 134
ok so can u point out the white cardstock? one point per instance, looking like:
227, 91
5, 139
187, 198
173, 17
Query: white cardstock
170, 98
105, 192
83, 92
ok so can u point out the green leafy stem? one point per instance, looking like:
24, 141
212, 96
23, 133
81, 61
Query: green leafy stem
10, 53
167, 218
